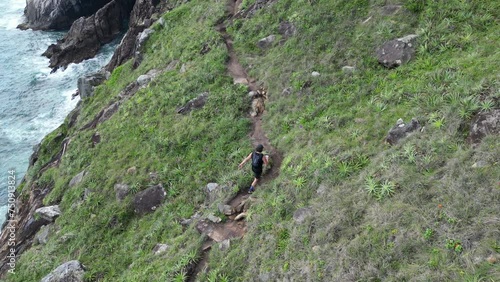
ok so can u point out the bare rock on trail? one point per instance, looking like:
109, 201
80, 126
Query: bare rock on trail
401, 130
397, 52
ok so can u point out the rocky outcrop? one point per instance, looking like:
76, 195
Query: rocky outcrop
141, 18
71, 271
195, 103
77, 178
149, 200
57, 14
49, 213
87, 35
484, 124
88, 82
397, 52
401, 130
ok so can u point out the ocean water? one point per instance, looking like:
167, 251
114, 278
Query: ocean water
33, 102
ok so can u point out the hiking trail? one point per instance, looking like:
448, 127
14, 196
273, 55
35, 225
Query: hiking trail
235, 225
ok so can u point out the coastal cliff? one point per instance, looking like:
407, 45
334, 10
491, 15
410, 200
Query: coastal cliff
57, 14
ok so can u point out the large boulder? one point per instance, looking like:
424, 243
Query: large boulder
57, 14
49, 213
87, 35
149, 200
401, 130
71, 271
486, 123
397, 52
87, 83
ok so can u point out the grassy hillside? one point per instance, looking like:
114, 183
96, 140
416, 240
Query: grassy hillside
416, 211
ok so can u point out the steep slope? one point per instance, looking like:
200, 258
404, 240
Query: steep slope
345, 206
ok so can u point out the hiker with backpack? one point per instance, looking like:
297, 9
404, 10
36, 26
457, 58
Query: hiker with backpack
258, 160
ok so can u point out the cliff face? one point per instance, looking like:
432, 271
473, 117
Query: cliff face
87, 35
140, 19
58, 14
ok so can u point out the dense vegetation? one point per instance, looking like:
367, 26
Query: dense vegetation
415, 211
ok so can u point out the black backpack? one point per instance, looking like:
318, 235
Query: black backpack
257, 160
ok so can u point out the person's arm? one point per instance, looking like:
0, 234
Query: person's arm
245, 160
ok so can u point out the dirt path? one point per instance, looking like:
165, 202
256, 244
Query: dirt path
235, 226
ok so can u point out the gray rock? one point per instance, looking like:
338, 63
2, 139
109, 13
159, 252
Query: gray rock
348, 69
66, 237
77, 178
161, 22
42, 236
480, 164
213, 218
160, 249
266, 41
188, 221
87, 83
49, 213
315, 74
142, 37
287, 29
121, 191
225, 245
212, 187
226, 209
146, 78
301, 214
149, 200
401, 130
71, 271
196, 103
397, 52
487, 123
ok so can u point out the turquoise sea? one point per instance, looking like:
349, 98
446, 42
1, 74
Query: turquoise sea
33, 102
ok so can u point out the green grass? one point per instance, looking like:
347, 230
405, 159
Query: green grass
383, 213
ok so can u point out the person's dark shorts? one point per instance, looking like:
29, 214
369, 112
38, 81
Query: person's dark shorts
257, 173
